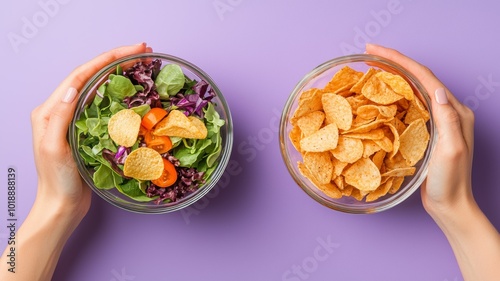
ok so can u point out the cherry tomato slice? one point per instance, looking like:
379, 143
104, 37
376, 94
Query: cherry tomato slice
169, 175
161, 144
152, 117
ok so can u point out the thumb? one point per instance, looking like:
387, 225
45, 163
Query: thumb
59, 119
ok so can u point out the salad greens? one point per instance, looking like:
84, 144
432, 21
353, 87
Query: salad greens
141, 88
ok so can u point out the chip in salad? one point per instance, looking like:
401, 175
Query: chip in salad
151, 132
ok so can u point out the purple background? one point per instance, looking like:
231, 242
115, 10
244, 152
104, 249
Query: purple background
257, 224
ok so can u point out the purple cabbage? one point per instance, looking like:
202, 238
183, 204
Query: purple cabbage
194, 103
110, 156
188, 181
144, 74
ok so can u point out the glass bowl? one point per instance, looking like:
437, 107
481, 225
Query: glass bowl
113, 196
318, 78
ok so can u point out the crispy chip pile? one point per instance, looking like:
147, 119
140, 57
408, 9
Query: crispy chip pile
361, 135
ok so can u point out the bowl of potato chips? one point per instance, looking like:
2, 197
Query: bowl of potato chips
357, 133
152, 133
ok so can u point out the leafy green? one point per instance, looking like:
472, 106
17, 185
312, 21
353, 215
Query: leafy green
169, 81
120, 87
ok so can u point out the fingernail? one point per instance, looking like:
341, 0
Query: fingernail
149, 50
142, 43
440, 95
70, 95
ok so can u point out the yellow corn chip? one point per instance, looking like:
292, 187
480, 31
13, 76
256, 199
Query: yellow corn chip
123, 127
397, 83
143, 164
324, 139
378, 92
337, 110
363, 175
328, 189
413, 142
348, 150
320, 166
345, 76
311, 122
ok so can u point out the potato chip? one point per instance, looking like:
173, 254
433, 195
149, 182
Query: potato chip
338, 167
397, 161
320, 166
123, 127
357, 194
345, 76
329, 189
384, 143
357, 101
348, 150
378, 92
337, 110
382, 190
378, 158
176, 124
339, 182
311, 122
324, 139
356, 88
202, 129
143, 163
348, 189
363, 175
376, 134
413, 142
295, 135
397, 83
396, 184
395, 140
368, 127
400, 172
309, 101
416, 110
369, 147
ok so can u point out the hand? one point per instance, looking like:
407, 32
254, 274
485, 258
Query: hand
59, 181
447, 191
448, 182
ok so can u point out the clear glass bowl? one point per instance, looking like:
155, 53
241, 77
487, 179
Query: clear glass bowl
318, 78
113, 196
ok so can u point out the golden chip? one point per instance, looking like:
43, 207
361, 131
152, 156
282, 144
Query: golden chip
337, 110
348, 150
345, 76
382, 190
311, 122
338, 167
309, 101
123, 127
339, 182
176, 124
363, 175
143, 164
202, 129
295, 135
378, 158
320, 166
324, 139
378, 92
396, 184
397, 83
329, 189
376, 134
395, 141
413, 142
369, 147
384, 143
348, 189
400, 172
361, 82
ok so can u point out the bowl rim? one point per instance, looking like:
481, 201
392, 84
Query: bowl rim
311, 190
137, 206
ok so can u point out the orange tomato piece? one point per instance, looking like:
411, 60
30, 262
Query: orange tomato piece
152, 117
161, 144
169, 175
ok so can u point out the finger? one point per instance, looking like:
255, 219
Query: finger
59, 120
83, 73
